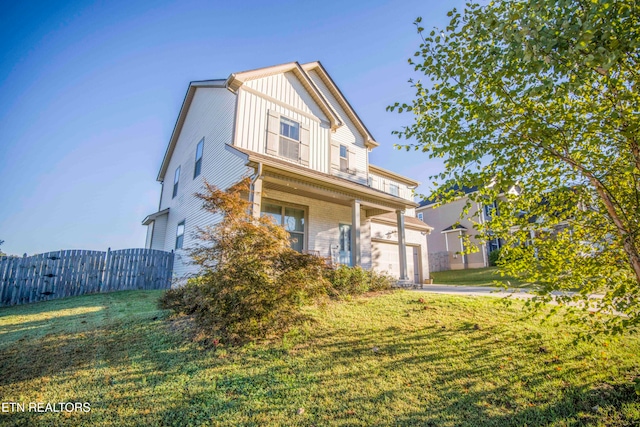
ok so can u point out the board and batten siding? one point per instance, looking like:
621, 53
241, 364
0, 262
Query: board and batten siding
284, 95
347, 135
210, 116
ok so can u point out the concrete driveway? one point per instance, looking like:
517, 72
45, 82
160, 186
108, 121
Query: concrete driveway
475, 291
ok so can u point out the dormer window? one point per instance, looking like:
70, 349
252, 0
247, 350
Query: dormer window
394, 189
289, 139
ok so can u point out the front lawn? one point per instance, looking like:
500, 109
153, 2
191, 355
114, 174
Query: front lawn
406, 358
474, 277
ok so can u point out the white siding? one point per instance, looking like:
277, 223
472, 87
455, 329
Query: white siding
147, 243
383, 183
323, 221
159, 233
211, 115
284, 88
347, 135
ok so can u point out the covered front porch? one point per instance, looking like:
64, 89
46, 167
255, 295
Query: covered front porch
345, 222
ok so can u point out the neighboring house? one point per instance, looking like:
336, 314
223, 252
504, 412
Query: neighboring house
446, 244
291, 130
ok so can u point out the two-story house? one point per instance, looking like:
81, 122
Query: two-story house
291, 130
447, 249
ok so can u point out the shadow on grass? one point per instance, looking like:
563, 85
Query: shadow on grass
137, 373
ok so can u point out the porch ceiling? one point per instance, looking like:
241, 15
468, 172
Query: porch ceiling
273, 181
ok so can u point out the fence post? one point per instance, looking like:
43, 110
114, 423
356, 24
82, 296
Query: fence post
105, 270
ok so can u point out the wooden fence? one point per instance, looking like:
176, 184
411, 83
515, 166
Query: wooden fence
68, 273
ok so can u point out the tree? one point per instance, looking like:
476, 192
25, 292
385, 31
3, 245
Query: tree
251, 284
545, 95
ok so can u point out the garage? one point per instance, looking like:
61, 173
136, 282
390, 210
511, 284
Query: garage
386, 257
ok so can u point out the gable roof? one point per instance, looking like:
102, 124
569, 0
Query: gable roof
236, 80
377, 170
433, 198
454, 227
335, 91
177, 128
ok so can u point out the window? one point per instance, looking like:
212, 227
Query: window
198, 167
291, 219
420, 216
491, 210
344, 159
394, 189
176, 179
180, 235
289, 139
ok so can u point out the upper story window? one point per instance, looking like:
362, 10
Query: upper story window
180, 235
344, 158
289, 139
420, 216
490, 210
198, 166
394, 189
176, 180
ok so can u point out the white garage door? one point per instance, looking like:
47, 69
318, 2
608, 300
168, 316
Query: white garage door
387, 259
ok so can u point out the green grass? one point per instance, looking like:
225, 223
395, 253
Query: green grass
406, 358
474, 277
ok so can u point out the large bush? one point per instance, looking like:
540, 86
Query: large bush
251, 284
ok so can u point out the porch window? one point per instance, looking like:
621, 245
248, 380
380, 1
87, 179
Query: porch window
292, 219
289, 139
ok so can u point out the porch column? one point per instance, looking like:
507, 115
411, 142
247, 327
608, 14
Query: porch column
256, 197
402, 247
355, 233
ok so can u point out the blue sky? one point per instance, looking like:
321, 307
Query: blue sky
90, 91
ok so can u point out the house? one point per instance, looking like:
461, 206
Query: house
290, 129
446, 242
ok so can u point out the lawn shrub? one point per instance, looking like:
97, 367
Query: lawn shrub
347, 280
251, 283
494, 257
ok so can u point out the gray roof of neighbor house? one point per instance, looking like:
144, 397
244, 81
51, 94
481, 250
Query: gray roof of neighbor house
433, 198
455, 227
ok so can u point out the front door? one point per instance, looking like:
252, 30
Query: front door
344, 255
